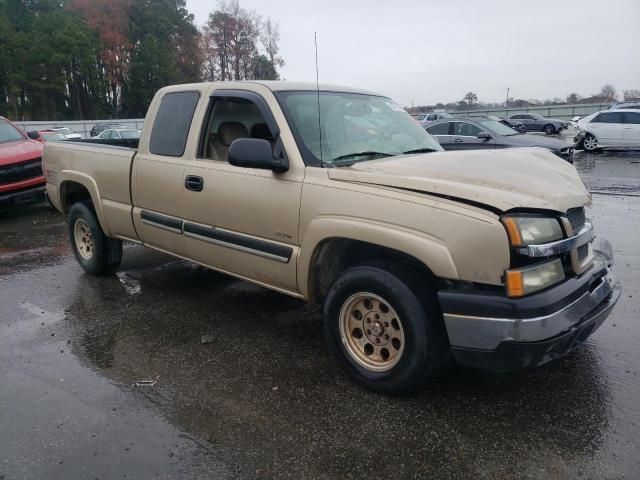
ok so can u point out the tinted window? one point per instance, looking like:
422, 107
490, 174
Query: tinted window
613, 117
431, 118
439, 129
421, 117
518, 117
632, 117
172, 123
465, 129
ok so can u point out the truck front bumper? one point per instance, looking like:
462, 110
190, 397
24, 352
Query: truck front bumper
494, 332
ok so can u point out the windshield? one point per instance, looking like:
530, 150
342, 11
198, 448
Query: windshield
8, 133
497, 127
354, 127
130, 133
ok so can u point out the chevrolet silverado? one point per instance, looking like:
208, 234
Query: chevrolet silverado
422, 258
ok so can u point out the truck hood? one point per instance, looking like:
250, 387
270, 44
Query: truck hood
15, 152
501, 179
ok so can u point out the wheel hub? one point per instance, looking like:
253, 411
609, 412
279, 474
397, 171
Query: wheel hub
83, 239
371, 331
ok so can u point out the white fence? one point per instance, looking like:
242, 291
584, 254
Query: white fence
83, 127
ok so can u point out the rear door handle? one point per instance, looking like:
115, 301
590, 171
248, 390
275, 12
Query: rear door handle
458, 140
194, 183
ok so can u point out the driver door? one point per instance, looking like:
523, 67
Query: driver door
243, 221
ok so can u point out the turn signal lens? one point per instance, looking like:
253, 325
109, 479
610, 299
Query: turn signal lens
523, 281
513, 231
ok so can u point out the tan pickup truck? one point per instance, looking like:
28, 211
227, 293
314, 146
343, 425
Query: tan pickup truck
422, 258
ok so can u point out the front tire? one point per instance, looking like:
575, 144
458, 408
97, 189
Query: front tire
549, 129
95, 252
590, 143
385, 330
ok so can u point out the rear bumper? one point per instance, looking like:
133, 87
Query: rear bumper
509, 334
22, 196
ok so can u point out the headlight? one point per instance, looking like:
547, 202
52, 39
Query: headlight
530, 230
523, 281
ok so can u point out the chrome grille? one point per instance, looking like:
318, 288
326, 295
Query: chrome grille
576, 218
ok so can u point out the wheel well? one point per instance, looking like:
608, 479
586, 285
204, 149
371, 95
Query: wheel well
334, 255
72, 192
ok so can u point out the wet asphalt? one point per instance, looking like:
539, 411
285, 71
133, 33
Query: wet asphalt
264, 398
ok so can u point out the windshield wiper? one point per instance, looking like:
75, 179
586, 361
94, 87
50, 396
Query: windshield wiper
361, 154
420, 150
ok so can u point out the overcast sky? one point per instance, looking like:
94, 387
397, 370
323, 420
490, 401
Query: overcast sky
429, 51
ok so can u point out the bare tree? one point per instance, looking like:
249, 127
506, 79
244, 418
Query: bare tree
630, 95
573, 98
270, 38
608, 92
470, 98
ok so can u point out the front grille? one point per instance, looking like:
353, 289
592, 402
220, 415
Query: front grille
20, 171
576, 218
583, 251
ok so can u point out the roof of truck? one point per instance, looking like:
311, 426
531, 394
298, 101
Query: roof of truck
281, 85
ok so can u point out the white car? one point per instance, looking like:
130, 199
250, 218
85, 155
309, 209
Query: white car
66, 132
609, 129
118, 133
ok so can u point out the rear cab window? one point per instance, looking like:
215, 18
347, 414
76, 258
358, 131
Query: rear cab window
172, 123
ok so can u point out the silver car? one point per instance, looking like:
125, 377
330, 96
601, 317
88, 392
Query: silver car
534, 122
425, 119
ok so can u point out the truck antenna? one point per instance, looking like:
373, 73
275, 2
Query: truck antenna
315, 40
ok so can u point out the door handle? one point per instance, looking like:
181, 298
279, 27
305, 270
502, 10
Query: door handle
194, 183
458, 140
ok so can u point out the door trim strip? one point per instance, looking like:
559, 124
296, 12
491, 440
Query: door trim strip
225, 238
172, 224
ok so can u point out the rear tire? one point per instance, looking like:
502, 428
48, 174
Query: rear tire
96, 253
549, 129
386, 331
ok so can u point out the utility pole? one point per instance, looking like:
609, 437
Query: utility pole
506, 103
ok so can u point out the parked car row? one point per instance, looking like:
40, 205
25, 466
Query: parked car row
617, 127
482, 132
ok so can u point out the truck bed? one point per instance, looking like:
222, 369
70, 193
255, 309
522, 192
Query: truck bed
102, 169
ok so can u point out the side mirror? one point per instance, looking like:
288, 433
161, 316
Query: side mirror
255, 153
485, 136
33, 135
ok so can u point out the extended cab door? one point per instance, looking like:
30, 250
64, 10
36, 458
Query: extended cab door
157, 179
239, 220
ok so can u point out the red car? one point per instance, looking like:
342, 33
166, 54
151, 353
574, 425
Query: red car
21, 176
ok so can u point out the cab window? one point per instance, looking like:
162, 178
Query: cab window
230, 119
172, 123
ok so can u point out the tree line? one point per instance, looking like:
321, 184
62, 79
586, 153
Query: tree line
607, 94
88, 59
